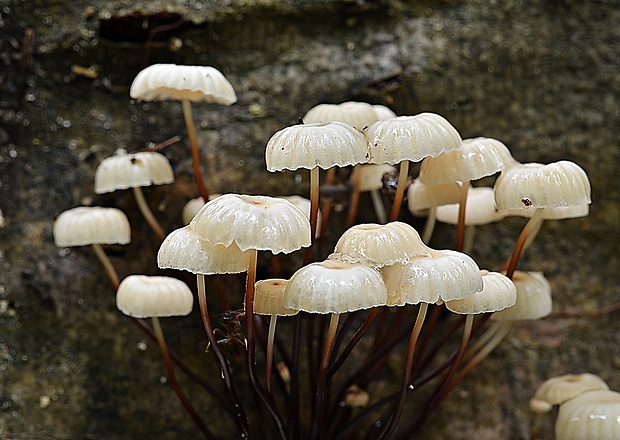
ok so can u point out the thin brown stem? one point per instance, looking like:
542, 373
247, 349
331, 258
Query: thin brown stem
314, 212
148, 214
193, 142
354, 200
413, 339
460, 228
242, 419
354, 340
400, 190
322, 377
163, 348
251, 337
532, 225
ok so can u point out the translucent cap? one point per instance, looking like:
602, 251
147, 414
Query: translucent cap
162, 82
91, 225
592, 415
123, 171
533, 298
559, 389
269, 298
356, 114
144, 296
498, 292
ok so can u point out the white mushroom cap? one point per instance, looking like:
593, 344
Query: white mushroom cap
410, 138
123, 171
594, 415
445, 275
334, 286
479, 210
91, 225
269, 298
192, 207
498, 292
253, 222
323, 145
557, 184
474, 159
421, 196
558, 390
356, 114
381, 245
144, 296
533, 298
383, 112
183, 249
162, 82
372, 175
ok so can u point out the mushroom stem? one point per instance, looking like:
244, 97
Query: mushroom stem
498, 337
377, 204
532, 225
163, 348
355, 198
148, 214
193, 142
319, 411
460, 228
107, 265
242, 419
400, 190
468, 244
114, 279
353, 342
251, 344
269, 353
413, 339
429, 226
314, 211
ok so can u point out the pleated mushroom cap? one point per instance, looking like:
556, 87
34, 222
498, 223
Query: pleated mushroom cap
498, 292
269, 298
421, 196
371, 178
163, 82
123, 171
356, 114
192, 207
253, 222
410, 138
183, 249
381, 245
533, 298
479, 210
534, 185
558, 390
144, 296
474, 159
334, 286
445, 275
594, 415
91, 225
323, 145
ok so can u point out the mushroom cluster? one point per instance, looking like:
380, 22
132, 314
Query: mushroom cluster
379, 290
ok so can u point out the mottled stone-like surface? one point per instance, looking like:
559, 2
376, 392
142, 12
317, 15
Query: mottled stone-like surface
541, 76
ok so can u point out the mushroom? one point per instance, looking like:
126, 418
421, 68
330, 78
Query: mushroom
334, 287
269, 300
134, 171
93, 225
254, 223
409, 138
559, 184
162, 82
474, 159
314, 146
371, 180
443, 275
592, 415
142, 296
